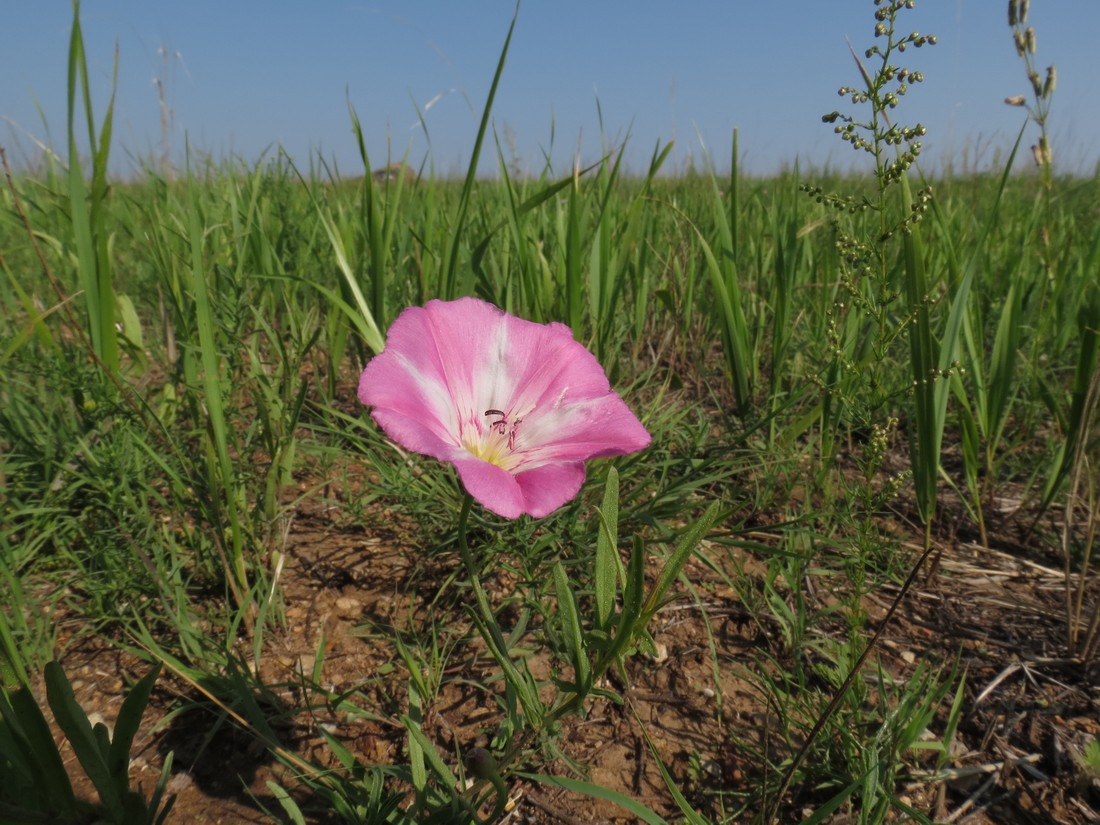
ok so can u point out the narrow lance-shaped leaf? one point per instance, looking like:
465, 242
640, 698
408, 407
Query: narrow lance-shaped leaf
32, 744
451, 271
572, 635
675, 563
731, 318
222, 472
1077, 421
628, 626
608, 563
126, 726
85, 742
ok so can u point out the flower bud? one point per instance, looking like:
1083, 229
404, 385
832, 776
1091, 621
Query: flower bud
1051, 81
1042, 152
481, 764
1016, 100
1021, 46
1036, 83
1013, 12
1030, 34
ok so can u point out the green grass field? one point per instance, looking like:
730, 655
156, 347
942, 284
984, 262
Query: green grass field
849, 581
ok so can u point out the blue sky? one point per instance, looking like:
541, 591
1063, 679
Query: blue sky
243, 76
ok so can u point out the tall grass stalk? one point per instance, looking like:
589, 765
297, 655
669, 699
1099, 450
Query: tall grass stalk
227, 494
721, 261
89, 206
378, 217
985, 401
721, 267
451, 286
1077, 459
929, 394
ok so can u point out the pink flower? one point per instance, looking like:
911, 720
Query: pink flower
517, 407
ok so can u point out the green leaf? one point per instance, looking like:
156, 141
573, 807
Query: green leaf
731, 316
522, 683
1090, 758
571, 629
131, 323
93, 262
598, 792
690, 814
78, 730
1082, 402
126, 726
608, 564
31, 745
416, 735
289, 806
675, 563
417, 745
459, 228
223, 474
633, 595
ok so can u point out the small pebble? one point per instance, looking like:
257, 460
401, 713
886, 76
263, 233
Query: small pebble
662, 653
348, 608
179, 782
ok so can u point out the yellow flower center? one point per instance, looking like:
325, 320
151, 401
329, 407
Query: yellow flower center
497, 442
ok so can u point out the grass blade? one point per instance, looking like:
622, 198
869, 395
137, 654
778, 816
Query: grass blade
450, 276
632, 806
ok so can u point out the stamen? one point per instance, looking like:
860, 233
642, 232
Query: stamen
501, 424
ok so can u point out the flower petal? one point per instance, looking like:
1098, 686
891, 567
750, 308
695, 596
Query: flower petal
496, 488
405, 388
547, 365
581, 430
414, 434
547, 488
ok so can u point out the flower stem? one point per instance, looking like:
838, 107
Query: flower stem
471, 569
491, 775
570, 703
